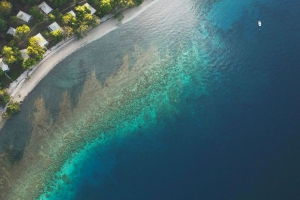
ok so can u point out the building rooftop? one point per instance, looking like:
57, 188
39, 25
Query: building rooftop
93, 10
24, 16
45, 7
54, 26
24, 53
72, 13
41, 40
11, 31
3, 66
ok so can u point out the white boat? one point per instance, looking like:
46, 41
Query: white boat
259, 23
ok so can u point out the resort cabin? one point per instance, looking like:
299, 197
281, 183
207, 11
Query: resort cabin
24, 16
24, 53
11, 31
54, 26
72, 13
41, 40
3, 66
45, 7
93, 10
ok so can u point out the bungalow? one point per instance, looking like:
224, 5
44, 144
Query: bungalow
72, 13
54, 26
11, 31
3, 66
24, 16
45, 7
41, 40
24, 53
93, 10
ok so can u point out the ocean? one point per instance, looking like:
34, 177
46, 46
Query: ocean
189, 100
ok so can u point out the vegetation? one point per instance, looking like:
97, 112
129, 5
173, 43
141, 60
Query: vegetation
5, 8
78, 26
28, 63
36, 13
105, 6
51, 18
11, 55
119, 16
4, 97
83, 21
35, 53
21, 32
3, 25
11, 109
57, 34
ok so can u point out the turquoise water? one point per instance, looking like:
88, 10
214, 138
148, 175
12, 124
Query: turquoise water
192, 101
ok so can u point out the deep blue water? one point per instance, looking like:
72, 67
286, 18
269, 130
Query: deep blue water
250, 148
235, 132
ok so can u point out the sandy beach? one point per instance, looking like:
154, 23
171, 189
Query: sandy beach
20, 88
27, 81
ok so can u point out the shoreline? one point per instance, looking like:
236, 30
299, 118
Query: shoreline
22, 86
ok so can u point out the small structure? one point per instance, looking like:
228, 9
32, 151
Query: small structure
72, 13
54, 26
24, 54
93, 10
45, 7
3, 66
11, 31
41, 40
24, 16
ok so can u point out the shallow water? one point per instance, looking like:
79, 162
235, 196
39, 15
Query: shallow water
193, 101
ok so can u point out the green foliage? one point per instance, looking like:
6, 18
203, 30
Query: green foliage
126, 3
46, 35
8, 55
36, 13
105, 6
138, 2
83, 21
119, 16
34, 50
11, 54
11, 109
28, 63
51, 17
1, 71
21, 31
2, 25
13, 20
4, 96
67, 19
31, 2
60, 2
5, 8
57, 14
81, 11
57, 34
68, 31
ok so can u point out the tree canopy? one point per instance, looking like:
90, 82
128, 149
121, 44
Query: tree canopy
57, 34
21, 31
2, 25
5, 8
11, 55
8, 55
34, 50
4, 96
105, 6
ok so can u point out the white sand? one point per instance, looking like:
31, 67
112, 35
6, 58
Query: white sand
21, 87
